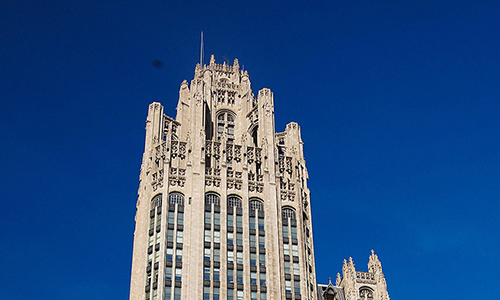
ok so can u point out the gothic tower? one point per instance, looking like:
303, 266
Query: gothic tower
357, 285
223, 209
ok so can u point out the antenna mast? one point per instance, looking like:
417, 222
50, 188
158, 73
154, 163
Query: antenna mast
201, 50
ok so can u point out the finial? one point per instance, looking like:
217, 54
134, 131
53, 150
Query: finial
236, 64
212, 60
329, 280
373, 252
338, 280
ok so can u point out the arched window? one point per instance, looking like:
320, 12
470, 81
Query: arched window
212, 199
365, 293
256, 205
225, 124
176, 198
233, 201
288, 212
156, 201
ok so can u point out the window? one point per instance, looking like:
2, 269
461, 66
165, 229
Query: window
206, 293
170, 254
252, 223
216, 254
256, 205
262, 242
253, 259
171, 217
261, 224
176, 198
216, 293
168, 273
296, 287
288, 212
225, 123
252, 240
288, 286
212, 199
180, 236
178, 255
286, 249
208, 217
156, 201
287, 267
170, 235
262, 279
366, 293
168, 291
233, 201
253, 278
262, 260
178, 274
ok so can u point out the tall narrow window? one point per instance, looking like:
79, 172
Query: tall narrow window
225, 125
290, 248
211, 255
174, 241
257, 240
153, 246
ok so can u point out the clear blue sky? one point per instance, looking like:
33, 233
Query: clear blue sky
398, 103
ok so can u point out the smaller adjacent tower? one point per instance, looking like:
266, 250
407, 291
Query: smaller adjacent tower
357, 285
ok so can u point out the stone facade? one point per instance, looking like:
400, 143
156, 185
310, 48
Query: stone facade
223, 209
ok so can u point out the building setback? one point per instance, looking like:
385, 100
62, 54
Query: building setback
223, 209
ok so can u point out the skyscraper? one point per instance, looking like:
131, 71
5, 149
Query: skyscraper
223, 209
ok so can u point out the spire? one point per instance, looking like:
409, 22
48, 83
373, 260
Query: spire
201, 50
212, 60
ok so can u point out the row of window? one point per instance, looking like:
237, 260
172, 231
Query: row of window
174, 236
